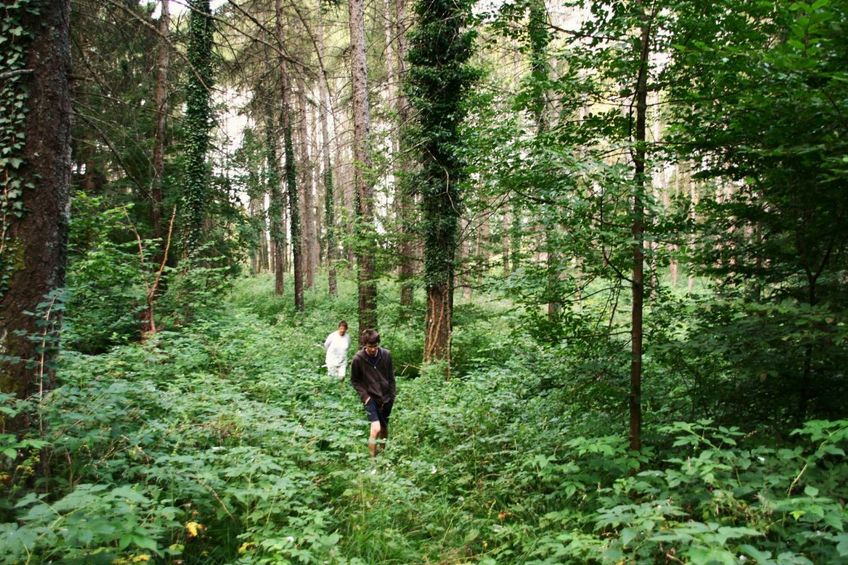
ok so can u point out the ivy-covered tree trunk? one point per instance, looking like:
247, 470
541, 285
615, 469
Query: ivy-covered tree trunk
198, 115
327, 174
365, 240
34, 201
438, 79
290, 169
637, 232
160, 102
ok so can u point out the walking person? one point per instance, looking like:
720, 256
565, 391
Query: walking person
373, 377
336, 346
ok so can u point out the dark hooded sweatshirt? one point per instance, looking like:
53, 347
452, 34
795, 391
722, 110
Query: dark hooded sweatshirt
373, 376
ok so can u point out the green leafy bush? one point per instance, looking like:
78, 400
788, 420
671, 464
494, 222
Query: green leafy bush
105, 280
224, 441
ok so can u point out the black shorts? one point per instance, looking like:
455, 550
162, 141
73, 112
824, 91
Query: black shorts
379, 414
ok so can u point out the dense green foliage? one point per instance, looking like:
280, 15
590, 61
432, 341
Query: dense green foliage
226, 442
220, 439
763, 118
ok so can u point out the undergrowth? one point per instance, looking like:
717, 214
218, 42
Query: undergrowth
225, 442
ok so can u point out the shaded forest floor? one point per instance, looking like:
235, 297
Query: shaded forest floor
225, 442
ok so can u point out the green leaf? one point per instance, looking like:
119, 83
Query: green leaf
842, 546
628, 535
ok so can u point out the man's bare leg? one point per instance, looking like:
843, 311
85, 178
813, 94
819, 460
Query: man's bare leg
376, 432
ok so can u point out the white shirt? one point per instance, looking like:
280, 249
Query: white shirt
336, 346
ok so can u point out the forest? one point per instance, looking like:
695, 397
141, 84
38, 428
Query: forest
604, 244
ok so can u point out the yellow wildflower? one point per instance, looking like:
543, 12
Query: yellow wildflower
194, 529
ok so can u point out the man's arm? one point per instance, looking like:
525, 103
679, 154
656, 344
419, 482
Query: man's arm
328, 341
357, 381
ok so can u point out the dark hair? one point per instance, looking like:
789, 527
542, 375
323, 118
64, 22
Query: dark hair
370, 337
343, 323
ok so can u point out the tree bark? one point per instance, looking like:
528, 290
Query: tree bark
506, 243
637, 232
33, 246
365, 240
537, 30
160, 101
317, 248
290, 167
439, 114
327, 177
406, 204
277, 203
308, 212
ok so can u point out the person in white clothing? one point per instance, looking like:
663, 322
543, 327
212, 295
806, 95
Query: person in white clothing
336, 345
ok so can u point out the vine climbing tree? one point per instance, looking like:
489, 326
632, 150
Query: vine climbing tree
439, 76
198, 117
35, 162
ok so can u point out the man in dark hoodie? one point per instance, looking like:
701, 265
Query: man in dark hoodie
373, 377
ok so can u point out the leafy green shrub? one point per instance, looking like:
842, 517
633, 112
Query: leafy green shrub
106, 294
196, 285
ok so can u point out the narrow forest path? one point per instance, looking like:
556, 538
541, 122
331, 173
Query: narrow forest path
235, 421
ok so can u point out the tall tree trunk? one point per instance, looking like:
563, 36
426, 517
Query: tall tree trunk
290, 168
537, 30
254, 253
506, 243
308, 215
403, 159
673, 264
440, 112
198, 114
33, 244
637, 231
694, 199
266, 259
365, 240
464, 258
482, 250
277, 204
327, 176
160, 101
317, 248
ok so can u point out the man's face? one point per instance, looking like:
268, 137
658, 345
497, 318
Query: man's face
371, 349
342, 330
